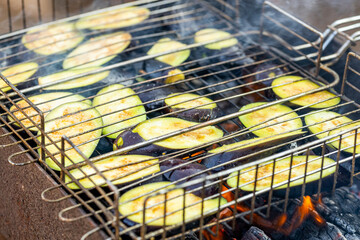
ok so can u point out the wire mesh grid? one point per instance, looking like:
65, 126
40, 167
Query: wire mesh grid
229, 80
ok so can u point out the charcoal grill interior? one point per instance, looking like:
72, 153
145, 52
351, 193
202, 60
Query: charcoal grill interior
223, 77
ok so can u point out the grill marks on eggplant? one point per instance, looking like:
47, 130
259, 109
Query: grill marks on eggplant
205, 109
117, 18
264, 176
116, 103
75, 83
173, 59
155, 205
45, 102
97, 51
116, 169
270, 120
18, 74
53, 39
289, 86
79, 122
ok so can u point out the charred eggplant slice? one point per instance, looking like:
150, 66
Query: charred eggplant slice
97, 51
187, 172
117, 18
326, 120
45, 102
134, 200
157, 127
288, 86
205, 109
281, 174
260, 124
18, 74
53, 39
81, 123
116, 169
75, 83
212, 34
117, 103
348, 139
173, 59
229, 152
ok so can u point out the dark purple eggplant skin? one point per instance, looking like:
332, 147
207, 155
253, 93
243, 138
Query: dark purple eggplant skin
197, 115
132, 138
190, 169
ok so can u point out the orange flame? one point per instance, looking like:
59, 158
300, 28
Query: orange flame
302, 213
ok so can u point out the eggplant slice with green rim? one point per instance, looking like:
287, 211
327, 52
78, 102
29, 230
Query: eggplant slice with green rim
283, 119
116, 169
81, 123
157, 127
134, 200
53, 39
117, 18
321, 123
173, 59
288, 86
44, 102
18, 74
74, 83
348, 140
226, 153
212, 34
281, 174
98, 50
116, 103
205, 109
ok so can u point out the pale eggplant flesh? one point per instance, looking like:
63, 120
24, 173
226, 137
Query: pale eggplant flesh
18, 74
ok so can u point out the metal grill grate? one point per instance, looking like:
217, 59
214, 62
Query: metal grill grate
222, 77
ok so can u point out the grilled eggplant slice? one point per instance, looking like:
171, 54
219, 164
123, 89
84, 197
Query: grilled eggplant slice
265, 171
75, 83
45, 102
260, 124
175, 203
53, 39
97, 51
212, 34
288, 86
160, 126
229, 152
117, 103
206, 108
117, 18
348, 140
116, 169
188, 172
18, 74
173, 59
326, 120
80, 123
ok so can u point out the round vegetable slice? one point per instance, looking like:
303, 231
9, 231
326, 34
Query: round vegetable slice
205, 109
174, 205
212, 34
265, 171
75, 83
97, 51
117, 18
173, 59
18, 74
348, 139
116, 169
286, 118
288, 86
80, 123
326, 120
45, 102
114, 99
53, 39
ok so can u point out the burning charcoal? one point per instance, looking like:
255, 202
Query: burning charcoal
310, 231
255, 233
